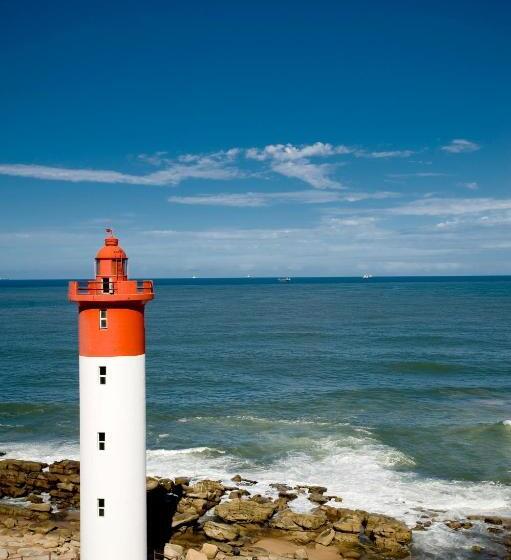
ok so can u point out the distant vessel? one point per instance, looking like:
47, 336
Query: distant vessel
366, 276
285, 279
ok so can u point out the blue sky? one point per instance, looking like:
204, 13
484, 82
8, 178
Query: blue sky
265, 138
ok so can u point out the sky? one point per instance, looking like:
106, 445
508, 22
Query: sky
256, 138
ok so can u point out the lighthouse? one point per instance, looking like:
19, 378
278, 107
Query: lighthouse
112, 408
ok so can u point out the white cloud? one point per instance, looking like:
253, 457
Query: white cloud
202, 168
450, 206
472, 186
420, 174
289, 152
257, 199
384, 154
315, 174
459, 146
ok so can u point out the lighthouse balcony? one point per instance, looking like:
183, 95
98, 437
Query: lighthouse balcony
111, 291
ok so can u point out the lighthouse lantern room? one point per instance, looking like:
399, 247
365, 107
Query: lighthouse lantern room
112, 408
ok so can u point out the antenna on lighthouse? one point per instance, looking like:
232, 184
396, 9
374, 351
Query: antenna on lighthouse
110, 231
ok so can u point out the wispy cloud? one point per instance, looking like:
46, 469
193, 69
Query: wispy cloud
288, 160
420, 174
460, 146
384, 154
451, 206
257, 199
289, 152
472, 185
172, 175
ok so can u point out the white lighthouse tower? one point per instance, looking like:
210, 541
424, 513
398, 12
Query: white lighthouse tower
112, 408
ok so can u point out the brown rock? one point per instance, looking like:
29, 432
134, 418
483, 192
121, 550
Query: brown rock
195, 555
326, 537
40, 507
318, 498
245, 511
350, 522
388, 528
210, 550
220, 531
181, 519
291, 521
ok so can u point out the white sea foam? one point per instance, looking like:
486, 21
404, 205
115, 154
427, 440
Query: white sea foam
364, 472
506, 422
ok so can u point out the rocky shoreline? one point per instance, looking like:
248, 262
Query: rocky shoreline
208, 519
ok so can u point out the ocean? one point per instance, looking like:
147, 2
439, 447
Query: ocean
395, 393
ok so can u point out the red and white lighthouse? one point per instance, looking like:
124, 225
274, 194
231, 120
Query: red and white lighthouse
112, 408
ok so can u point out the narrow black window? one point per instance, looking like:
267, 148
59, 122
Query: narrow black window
101, 507
106, 285
101, 441
102, 375
103, 321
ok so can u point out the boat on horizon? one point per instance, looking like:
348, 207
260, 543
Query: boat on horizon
285, 279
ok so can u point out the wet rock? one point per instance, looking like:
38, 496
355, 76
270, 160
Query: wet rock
493, 520
182, 481
221, 531
318, 498
240, 480
245, 511
477, 548
388, 528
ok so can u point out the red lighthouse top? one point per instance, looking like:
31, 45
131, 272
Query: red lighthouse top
111, 283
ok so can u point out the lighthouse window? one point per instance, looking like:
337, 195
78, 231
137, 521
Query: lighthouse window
102, 375
101, 441
101, 507
103, 322
106, 286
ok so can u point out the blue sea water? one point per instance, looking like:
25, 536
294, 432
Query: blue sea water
393, 392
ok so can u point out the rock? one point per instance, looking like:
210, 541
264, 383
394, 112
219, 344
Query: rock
456, 525
9, 522
347, 540
182, 481
173, 551
318, 498
225, 548
195, 555
388, 528
477, 548
44, 528
210, 550
326, 537
245, 511
493, 520
349, 523
151, 484
316, 489
301, 554
239, 480
4, 554
221, 531
181, 519
291, 521
40, 507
